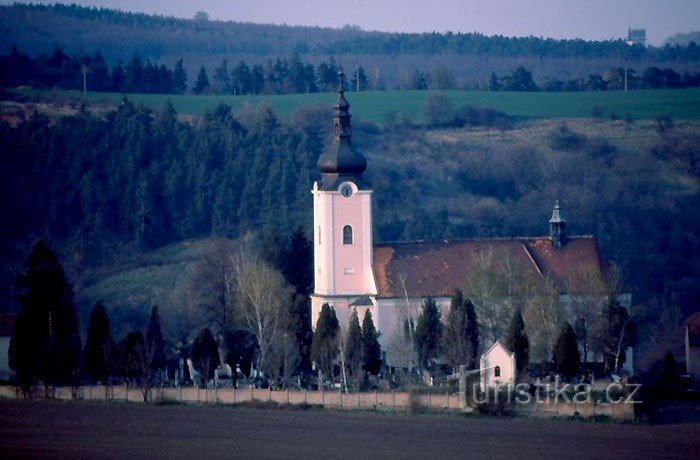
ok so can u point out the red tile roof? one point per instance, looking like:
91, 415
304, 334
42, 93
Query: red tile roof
436, 268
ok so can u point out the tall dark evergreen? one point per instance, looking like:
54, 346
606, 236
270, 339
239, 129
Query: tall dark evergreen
517, 341
372, 351
45, 343
133, 358
205, 355
473, 333
566, 356
99, 348
354, 351
324, 348
154, 342
300, 326
179, 78
202, 82
428, 333
298, 269
460, 335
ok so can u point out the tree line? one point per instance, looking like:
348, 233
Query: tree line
613, 79
90, 72
291, 76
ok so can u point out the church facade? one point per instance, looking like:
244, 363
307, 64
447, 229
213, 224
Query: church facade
392, 279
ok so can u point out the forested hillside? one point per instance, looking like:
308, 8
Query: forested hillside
390, 60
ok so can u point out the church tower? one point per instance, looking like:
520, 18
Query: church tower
343, 275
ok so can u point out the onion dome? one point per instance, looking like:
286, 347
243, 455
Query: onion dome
340, 162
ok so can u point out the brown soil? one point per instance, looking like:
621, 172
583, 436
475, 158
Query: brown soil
111, 431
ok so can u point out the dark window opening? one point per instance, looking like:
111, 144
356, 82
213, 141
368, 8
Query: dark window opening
347, 234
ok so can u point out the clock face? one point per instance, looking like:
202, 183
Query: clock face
346, 190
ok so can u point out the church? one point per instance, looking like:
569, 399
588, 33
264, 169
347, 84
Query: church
392, 279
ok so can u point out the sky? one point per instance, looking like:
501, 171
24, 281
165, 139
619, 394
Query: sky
587, 19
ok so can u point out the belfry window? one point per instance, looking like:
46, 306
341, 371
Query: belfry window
497, 371
347, 234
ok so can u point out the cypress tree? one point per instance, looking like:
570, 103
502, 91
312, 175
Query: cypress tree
428, 332
205, 355
517, 341
456, 338
324, 347
372, 351
202, 83
354, 357
179, 78
133, 361
99, 346
473, 333
566, 355
154, 342
45, 343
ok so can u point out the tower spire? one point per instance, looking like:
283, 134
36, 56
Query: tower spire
557, 227
341, 162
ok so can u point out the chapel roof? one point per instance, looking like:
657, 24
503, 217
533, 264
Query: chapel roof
436, 268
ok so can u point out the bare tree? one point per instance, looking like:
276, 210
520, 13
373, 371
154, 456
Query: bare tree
214, 281
405, 339
482, 288
284, 358
262, 294
543, 314
587, 292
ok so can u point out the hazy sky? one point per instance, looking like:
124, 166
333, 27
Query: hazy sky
589, 19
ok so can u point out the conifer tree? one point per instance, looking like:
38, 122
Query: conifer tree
473, 334
45, 343
372, 351
566, 356
202, 83
179, 78
517, 341
133, 361
205, 355
354, 356
99, 347
460, 337
428, 333
324, 348
154, 342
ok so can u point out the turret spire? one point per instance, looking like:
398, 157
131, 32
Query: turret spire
557, 227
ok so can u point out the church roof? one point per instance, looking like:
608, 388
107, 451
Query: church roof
436, 268
497, 344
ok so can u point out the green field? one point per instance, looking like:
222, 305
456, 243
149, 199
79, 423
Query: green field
372, 106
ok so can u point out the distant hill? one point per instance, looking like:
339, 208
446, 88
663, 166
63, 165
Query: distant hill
388, 58
683, 39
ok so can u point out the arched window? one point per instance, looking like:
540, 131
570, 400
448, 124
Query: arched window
497, 371
347, 234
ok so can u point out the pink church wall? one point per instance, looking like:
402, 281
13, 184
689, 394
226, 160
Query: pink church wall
350, 271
